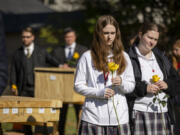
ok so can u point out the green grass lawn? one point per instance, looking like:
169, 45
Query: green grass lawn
70, 123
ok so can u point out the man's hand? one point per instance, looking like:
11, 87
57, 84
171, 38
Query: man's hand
15, 92
64, 66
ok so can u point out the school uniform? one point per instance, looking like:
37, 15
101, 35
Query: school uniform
148, 117
98, 115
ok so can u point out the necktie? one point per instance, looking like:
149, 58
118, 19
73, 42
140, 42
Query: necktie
69, 54
28, 55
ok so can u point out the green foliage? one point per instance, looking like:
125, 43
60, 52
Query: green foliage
91, 22
47, 33
50, 34
129, 13
160, 102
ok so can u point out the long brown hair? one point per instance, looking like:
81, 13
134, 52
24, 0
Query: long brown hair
100, 50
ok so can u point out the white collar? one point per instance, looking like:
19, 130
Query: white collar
142, 56
30, 47
73, 45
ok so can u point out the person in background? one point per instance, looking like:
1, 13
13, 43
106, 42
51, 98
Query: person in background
67, 56
25, 59
157, 83
176, 64
3, 62
176, 55
3, 59
105, 111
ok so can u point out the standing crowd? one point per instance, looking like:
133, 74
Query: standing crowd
139, 96
126, 93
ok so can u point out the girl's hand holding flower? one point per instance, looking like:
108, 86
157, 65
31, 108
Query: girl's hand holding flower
109, 93
162, 85
155, 78
117, 80
152, 88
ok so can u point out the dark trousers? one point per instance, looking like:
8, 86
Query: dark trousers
63, 114
177, 124
1, 131
27, 129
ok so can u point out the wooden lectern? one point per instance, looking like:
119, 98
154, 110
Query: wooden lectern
56, 83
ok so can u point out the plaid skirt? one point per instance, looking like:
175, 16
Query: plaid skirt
146, 123
86, 128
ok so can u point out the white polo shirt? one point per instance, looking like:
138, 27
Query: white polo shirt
90, 83
149, 67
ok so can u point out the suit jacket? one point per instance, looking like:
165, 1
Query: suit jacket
59, 53
3, 59
18, 67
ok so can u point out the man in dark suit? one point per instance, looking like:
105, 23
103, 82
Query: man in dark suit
65, 55
25, 59
3, 62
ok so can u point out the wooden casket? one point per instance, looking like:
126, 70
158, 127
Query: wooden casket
27, 109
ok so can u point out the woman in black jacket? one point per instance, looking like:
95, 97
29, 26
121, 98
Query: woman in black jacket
151, 103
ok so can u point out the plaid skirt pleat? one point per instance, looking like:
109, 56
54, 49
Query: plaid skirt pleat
146, 123
91, 129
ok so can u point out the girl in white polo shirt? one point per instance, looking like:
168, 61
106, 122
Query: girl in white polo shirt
157, 83
94, 81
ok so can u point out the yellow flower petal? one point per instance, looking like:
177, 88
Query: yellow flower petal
76, 55
155, 78
14, 86
112, 66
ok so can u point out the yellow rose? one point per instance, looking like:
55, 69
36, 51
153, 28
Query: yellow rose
155, 78
112, 66
76, 55
14, 87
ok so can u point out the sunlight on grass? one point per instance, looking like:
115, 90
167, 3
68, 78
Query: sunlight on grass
7, 126
71, 122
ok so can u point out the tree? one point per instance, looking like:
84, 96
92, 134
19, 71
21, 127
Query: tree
130, 14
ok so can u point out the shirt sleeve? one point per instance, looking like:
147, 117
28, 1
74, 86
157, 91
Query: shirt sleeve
81, 80
128, 81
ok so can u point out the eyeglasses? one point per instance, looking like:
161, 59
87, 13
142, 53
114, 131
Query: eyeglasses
26, 36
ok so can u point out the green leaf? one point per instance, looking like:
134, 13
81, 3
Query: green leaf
154, 99
166, 96
160, 91
163, 103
